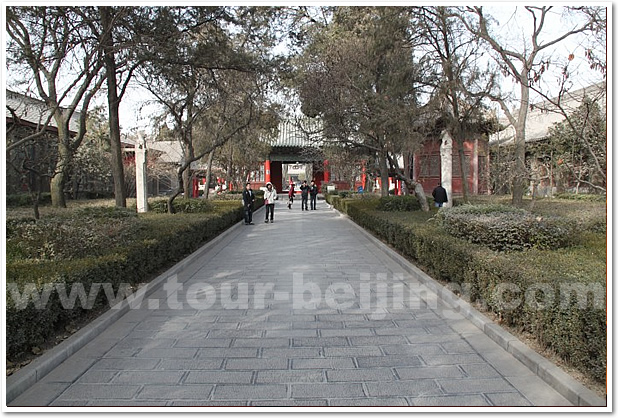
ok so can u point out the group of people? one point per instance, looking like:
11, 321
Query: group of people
307, 192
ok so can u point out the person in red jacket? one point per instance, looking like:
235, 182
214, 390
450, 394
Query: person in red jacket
291, 195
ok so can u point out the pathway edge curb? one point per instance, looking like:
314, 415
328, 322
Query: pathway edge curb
551, 374
21, 380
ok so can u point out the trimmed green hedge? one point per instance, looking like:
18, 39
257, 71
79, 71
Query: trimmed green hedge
25, 200
504, 228
399, 204
529, 290
157, 241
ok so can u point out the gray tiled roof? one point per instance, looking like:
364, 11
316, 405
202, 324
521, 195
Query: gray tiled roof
298, 133
34, 110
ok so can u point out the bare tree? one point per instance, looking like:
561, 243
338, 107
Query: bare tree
460, 83
65, 67
526, 66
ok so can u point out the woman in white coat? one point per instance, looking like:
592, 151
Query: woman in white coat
270, 195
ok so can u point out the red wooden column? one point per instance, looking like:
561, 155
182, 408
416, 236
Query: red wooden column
326, 172
364, 176
267, 171
196, 189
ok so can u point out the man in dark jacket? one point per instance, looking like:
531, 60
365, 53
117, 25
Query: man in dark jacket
248, 198
313, 193
439, 196
304, 194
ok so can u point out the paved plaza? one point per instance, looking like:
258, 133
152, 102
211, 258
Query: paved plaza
306, 311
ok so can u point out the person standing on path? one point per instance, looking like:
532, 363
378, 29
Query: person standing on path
304, 195
270, 195
313, 192
439, 195
248, 198
291, 195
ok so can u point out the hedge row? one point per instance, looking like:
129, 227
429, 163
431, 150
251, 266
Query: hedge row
504, 228
529, 290
163, 239
25, 200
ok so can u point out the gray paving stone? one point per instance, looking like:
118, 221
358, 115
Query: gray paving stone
318, 325
126, 364
347, 332
209, 403
323, 363
291, 402
253, 392
429, 372
408, 388
290, 333
389, 361
218, 377
352, 351
191, 364
41, 395
203, 343
228, 352
412, 349
369, 402
69, 370
475, 385
261, 342
97, 376
167, 353
378, 340
433, 360
289, 376
176, 392
508, 399
148, 377
452, 400
327, 390
235, 333
122, 403
288, 353
480, 370
319, 342
88, 391
256, 364
360, 375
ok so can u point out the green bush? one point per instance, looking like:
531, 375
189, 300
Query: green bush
504, 228
156, 242
25, 200
509, 284
582, 197
399, 204
181, 205
106, 212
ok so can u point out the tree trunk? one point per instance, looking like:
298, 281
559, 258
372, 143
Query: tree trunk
58, 181
520, 173
463, 168
186, 181
208, 173
383, 175
113, 101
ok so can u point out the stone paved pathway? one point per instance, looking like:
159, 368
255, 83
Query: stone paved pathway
306, 311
